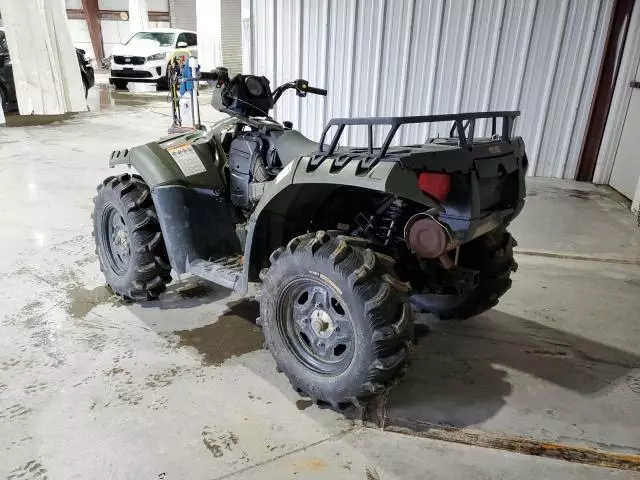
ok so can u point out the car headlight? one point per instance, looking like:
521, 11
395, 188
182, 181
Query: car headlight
157, 56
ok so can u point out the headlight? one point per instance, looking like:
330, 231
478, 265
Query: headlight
157, 56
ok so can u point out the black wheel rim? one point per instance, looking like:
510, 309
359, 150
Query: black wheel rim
316, 325
115, 238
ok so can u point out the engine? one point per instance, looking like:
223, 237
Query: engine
249, 167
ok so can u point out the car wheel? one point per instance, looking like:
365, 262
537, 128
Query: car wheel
120, 84
163, 84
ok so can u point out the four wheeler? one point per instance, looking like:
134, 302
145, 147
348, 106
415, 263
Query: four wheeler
346, 241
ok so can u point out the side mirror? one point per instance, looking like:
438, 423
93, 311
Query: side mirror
182, 45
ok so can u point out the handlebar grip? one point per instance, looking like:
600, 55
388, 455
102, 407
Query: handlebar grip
209, 76
317, 91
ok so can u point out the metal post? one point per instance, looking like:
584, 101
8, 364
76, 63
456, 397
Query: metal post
195, 105
91, 11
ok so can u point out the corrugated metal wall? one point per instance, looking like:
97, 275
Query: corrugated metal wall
409, 57
183, 14
231, 34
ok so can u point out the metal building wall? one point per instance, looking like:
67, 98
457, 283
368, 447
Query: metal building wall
231, 34
183, 14
409, 57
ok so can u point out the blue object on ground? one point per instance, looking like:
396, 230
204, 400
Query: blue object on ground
186, 73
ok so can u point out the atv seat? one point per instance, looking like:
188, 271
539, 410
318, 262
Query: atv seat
290, 144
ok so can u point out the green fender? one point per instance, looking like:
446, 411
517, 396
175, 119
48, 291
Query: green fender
190, 159
296, 189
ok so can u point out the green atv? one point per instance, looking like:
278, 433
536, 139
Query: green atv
346, 241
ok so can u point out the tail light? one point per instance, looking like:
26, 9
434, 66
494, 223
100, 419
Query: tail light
436, 185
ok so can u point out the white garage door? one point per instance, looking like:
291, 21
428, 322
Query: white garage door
626, 168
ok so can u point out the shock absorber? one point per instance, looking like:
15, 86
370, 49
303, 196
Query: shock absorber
391, 219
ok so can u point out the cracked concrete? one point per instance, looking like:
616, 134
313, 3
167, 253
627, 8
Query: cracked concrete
181, 387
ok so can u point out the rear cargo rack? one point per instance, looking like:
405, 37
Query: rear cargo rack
463, 126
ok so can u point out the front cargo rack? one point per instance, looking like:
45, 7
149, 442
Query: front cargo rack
463, 127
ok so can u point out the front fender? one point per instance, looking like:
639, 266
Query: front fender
186, 159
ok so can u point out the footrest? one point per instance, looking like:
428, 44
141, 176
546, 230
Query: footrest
225, 271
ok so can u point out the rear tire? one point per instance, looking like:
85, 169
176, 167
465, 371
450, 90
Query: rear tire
163, 84
128, 239
120, 84
364, 343
492, 255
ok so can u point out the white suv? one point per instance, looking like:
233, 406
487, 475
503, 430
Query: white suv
144, 58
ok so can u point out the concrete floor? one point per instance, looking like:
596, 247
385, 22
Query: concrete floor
181, 388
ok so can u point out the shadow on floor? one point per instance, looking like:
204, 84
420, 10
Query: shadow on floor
187, 295
456, 377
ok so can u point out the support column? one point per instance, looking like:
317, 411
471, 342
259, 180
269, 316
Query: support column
45, 66
138, 16
91, 12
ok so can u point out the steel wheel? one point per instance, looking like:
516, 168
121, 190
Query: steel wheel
115, 237
316, 324
335, 318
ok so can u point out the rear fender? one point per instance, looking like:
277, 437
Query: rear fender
294, 196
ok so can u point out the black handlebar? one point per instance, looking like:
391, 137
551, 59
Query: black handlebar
213, 76
317, 91
301, 86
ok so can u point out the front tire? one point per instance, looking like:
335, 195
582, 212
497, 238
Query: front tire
163, 84
335, 318
128, 239
120, 84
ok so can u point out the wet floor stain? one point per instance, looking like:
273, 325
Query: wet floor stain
83, 300
13, 412
35, 388
634, 383
31, 470
235, 333
218, 444
587, 194
371, 473
33, 120
584, 194
303, 404
195, 290
163, 378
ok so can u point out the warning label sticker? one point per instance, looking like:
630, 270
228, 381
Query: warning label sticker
187, 159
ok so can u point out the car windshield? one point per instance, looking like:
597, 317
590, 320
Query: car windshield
163, 39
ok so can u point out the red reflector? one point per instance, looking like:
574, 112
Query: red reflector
435, 184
